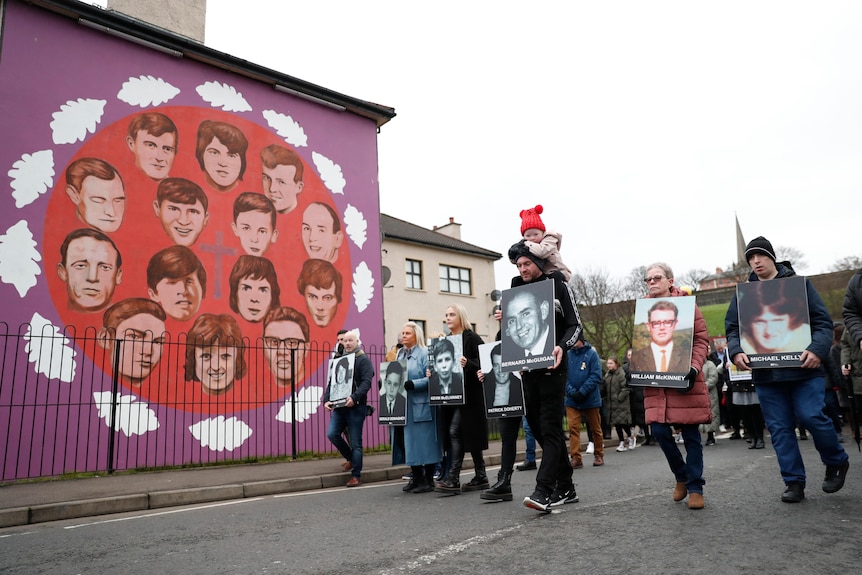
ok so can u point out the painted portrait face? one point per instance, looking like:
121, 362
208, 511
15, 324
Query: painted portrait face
771, 331
154, 155
180, 298
525, 319
391, 386
91, 274
279, 187
140, 350
182, 222
320, 241
278, 339
215, 366
443, 363
255, 233
661, 324
222, 167
322, 304
99, 203
253, 298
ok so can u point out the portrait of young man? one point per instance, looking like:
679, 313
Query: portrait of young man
177, 280
182, 208
254, 223
282, 177
667, 348
98, 193
321, 232
504, 394
285, 329
220, 150
152, 138
773, 320
135, 329
320, 284
393, 398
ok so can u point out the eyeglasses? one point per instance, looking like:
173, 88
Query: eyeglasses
289, 342
653, 279
662, 323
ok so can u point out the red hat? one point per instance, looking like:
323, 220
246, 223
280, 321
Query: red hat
530, 219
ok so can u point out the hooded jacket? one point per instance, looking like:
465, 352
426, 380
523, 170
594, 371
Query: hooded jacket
683, 407
584, 377
821, 334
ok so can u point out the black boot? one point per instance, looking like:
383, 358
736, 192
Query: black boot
427, 483
417, 478
449, 484
480, 480
500, 491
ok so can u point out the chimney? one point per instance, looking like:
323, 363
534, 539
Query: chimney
452, 229
184, 17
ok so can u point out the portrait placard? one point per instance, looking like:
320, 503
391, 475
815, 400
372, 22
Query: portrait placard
737, 374
341, 379
774, 326
662, 342
503, 392
393, 397
446, 384
529, 334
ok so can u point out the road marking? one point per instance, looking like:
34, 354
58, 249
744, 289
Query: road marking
157, 514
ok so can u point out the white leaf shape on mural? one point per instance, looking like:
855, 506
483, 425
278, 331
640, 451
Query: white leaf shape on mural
307, 403
219, 433
18, 257
355, 225
286, 127
32, 176
146, 91
75, 119
49, 350
223, 96
330, 172
363, 286
133, 417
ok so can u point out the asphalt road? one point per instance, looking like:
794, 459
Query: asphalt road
626, 522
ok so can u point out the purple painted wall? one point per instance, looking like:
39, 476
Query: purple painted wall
68, 92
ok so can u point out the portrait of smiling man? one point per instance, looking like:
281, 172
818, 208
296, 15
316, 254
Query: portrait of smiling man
181, 206
321, 232
282, 176
92, 268
528, 334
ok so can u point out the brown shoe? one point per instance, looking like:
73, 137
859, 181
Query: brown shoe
354, 481
346, 466
577, 464
680, 491
695, 500
598, 461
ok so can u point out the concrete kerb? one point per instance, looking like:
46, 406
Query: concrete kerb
168, 498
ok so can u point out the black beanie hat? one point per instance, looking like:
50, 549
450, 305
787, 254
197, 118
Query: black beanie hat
520, 249
759, 245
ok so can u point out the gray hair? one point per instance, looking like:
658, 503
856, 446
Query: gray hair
663, 267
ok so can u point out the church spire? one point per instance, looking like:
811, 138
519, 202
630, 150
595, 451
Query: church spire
740, 243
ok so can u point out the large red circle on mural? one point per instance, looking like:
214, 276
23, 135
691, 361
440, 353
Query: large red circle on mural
139, 235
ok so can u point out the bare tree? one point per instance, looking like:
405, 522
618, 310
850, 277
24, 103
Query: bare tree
848, 263
794, 256
633, 286
692, 278
603, 313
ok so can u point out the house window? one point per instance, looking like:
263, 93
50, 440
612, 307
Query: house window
414, 274
455, 280
420, 323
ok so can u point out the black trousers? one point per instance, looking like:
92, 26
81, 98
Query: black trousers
544, 393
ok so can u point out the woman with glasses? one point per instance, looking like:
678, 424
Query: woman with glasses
684, 408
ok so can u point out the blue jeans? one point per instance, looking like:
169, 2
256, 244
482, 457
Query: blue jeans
690, 470
531, 442
788, 403
353, 418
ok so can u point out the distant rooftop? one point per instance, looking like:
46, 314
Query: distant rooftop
395, 229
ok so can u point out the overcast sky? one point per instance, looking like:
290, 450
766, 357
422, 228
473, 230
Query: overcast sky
642, 127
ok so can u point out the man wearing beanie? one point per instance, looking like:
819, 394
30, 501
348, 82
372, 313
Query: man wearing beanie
792, 395
544, 389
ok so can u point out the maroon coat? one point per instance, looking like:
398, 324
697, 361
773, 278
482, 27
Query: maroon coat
683, 407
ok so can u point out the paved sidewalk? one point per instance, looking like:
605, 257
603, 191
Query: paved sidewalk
40, 501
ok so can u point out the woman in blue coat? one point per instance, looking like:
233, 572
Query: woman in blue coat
422, 444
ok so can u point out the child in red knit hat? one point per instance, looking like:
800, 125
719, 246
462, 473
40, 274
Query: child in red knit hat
543, 243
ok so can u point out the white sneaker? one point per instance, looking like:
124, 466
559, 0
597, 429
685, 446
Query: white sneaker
679, 438
591, 448
633, 443
622, 446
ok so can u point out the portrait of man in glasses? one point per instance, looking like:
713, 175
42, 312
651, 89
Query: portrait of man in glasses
665, 337
285, 330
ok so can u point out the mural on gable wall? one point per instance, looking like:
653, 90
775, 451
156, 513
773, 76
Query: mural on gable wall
160, 201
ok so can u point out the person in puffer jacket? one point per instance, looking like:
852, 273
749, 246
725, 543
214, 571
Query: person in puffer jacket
583, 400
